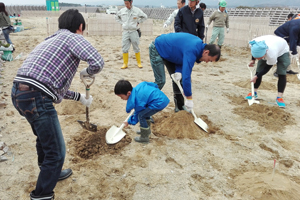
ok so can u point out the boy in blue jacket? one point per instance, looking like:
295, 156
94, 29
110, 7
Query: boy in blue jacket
146, 99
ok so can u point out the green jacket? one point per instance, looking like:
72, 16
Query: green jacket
220, 19
4, 20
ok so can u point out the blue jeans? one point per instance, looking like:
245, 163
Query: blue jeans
50, 145
145, 115
6, 33
157, 65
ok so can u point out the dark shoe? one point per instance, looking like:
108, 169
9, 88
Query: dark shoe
43, 197
65, 174
275, 74
291, 72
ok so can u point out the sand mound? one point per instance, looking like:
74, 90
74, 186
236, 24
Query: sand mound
90, 144
180, 125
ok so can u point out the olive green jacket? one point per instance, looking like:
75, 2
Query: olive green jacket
4, 20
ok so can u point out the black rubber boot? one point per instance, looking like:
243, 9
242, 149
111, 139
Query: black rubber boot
179, 102
144, 138
43, 197
149, 125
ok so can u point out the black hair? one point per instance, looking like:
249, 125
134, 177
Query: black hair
123, 87
182, 1
290, 15
2, 8
214, 50
202, 5
71, 20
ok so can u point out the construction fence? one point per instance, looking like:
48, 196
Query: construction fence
276, 16
245, 24
100, 24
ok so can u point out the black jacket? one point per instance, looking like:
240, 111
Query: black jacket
187, 22
290, 31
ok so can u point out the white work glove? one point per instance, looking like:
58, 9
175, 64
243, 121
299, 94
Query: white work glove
177, 76
84, 74
84, 101
294, 58
165, 26
227, 30
189, 104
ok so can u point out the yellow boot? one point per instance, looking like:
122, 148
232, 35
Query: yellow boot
138, 59
125, 60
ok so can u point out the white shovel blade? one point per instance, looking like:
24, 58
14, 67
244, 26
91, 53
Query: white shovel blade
114, 135
252, 101
201, 123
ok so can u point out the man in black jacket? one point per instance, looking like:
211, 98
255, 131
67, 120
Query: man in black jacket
190, 20
290, 31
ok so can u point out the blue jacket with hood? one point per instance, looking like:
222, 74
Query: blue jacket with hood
145, 95
184, 50
290, 31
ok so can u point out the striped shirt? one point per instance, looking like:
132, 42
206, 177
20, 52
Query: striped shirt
51, 66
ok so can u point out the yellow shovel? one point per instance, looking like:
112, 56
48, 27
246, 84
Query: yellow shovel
197, 121
115, 134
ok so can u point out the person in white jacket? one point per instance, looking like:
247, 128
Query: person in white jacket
180, 4
130, 17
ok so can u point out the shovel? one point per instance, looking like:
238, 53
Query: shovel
115, 134
298, 63
251, 101
197, 121
206, 35
87, 125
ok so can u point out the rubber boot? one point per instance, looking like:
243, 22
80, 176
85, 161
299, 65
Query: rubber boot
149, 125
179, 102
138, 59
144, 138
125, 60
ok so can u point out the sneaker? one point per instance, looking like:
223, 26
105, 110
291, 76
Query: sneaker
275, 74
249, 96
291, 72
280, 102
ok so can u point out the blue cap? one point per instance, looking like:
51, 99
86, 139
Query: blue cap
258, 49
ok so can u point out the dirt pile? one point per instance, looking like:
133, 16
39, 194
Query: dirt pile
180, 125
90, 144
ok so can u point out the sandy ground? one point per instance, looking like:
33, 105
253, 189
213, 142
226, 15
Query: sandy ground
233, 161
